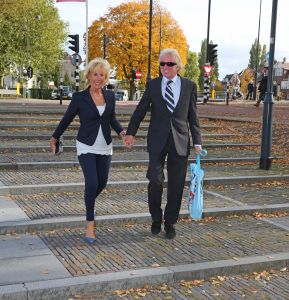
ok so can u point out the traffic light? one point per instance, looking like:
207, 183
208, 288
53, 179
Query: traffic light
74, 42
29, 72
212, 53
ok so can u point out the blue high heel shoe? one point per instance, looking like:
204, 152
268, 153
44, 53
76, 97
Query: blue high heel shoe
89, 240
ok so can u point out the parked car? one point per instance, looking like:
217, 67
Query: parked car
66, 92
55, 94
121, 95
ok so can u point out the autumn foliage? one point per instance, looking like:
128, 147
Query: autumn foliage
127, 28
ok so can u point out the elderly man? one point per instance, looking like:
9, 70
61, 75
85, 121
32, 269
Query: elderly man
172, 101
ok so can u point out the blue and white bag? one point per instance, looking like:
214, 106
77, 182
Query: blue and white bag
195, 201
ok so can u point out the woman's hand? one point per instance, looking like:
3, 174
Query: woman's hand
53, 142
122, 134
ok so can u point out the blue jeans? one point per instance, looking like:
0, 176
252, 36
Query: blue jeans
95, 168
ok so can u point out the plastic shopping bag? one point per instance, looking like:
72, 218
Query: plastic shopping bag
195, 203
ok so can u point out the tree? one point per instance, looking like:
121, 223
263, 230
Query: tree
34, 25
192, 70
246, 77
261, 56
126, 27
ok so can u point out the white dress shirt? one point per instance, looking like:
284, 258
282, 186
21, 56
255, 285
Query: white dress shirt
175, 85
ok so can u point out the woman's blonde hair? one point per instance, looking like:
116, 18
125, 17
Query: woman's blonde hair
175, 54
97, 63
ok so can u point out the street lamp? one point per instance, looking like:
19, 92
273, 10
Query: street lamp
257, 56
150, 42
266, 159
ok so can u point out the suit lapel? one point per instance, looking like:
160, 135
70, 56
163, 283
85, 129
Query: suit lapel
90, 101
107, 101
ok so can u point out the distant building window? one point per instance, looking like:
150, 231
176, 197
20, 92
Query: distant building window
278, 72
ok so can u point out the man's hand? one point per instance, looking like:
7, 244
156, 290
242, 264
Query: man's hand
53, 145
129, 141
198, 149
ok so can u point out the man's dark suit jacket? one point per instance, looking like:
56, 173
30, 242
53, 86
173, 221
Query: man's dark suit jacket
163, 121
82, 105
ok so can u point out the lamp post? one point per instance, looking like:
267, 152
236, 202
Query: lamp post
257, 56
148, 79
266, 159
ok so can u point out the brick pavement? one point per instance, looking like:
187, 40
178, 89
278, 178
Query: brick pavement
130, 199
271, 284
74, 175
130, 246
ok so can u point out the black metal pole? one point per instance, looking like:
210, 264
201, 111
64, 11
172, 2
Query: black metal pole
150, 42
206, 79
104, 46
160, 33
27, 63
208, 32
257, 56
266, 159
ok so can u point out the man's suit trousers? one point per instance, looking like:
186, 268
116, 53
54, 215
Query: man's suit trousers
176, 174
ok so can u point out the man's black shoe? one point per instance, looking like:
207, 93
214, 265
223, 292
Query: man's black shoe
156, 227
170, 231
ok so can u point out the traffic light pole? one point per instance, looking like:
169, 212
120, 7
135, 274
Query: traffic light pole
77, 72
206, 79
27, 64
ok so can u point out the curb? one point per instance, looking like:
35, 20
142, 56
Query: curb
25, 226
67, 287
118, 148
73, 187
114, 163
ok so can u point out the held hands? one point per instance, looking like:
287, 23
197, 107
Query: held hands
53, 145
129, 141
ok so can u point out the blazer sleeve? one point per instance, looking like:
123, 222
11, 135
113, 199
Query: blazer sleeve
193, 117
68, 117
114, 123
139, 113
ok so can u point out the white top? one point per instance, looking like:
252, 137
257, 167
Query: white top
99, 146
175, 85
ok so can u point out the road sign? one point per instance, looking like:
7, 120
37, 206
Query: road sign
208, 70
138, 75
73, 59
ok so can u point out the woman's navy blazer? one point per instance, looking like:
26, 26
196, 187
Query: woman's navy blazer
83, 105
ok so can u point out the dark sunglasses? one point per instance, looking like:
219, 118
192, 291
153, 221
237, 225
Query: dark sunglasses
169, 64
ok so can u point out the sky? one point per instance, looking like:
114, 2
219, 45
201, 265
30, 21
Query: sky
233, 25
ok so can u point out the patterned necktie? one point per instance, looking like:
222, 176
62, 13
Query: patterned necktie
169, 97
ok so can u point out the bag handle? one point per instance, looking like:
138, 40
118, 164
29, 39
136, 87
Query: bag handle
198, 157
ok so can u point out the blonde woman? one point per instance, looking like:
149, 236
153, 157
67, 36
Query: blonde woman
95, 108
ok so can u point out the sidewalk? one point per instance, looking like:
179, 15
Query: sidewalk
245, 226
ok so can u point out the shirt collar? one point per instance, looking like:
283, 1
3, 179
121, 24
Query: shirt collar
174, 80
